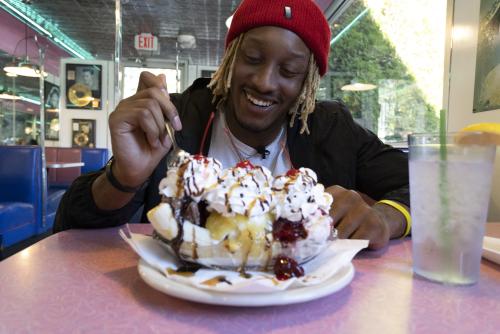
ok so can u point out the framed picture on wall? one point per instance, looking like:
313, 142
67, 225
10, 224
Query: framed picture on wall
83, 132
487, 83
52, 95
83, 86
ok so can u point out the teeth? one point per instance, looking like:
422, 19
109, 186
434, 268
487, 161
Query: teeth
257, 102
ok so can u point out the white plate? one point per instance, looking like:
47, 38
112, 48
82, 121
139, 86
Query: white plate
491, 249
291, 296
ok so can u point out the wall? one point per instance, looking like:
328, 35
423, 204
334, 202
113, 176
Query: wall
101, 116
461, 85
13, 31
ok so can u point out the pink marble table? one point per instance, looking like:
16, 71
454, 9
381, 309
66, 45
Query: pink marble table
86, 281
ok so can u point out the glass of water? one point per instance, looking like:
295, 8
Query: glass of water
450, 187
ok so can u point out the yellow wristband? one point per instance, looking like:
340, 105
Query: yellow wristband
403, 211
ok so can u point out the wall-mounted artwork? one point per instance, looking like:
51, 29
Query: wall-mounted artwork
487, 81
52, 99
83, 132
83, 86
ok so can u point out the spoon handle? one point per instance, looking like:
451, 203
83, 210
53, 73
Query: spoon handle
170, 133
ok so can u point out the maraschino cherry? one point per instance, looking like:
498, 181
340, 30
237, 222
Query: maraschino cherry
285, 268
292, 172
200, 157
245, 164
287, 231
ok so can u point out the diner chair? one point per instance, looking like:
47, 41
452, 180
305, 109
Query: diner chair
20, 193
94, 159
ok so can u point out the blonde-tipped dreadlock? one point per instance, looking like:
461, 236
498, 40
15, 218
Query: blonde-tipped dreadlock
221, 81
304, 105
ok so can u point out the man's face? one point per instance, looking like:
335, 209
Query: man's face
87, 78
54, 100
268, 75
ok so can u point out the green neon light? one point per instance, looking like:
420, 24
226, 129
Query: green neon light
30, 99
348, 27
43, 26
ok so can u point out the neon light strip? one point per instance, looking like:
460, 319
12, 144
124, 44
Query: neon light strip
31, 17
67, 47
27, 99
26, 18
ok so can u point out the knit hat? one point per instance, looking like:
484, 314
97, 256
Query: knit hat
303, 17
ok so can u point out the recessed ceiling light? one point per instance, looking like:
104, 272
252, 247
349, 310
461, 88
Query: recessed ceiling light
358, 87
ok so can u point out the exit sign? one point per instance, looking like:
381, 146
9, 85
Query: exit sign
146, 42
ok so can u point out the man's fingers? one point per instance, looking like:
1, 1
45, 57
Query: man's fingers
341, 203
150, 128
336, 190
351, 222
354, 218
348, 210
163, 78
156, 86
373, 230
152, 106
167, 107
149, 80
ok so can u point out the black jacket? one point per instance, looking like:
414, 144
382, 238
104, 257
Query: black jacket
339, 150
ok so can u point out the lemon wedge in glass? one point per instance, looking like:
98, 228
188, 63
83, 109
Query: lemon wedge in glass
479, 134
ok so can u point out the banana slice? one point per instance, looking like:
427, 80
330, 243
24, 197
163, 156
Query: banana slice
163, 221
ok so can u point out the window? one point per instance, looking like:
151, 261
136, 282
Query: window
387, 65
131, 79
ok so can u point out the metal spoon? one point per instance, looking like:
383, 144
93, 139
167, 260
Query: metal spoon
176, 151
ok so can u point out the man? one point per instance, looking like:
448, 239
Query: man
88, 78
53, 99
260, 105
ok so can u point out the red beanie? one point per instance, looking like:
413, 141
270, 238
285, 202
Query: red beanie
303, 17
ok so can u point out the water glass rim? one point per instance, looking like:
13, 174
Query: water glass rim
437, 134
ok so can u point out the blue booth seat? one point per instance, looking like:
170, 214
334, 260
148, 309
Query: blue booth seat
53, 199
20, 193
94, 159
16, 223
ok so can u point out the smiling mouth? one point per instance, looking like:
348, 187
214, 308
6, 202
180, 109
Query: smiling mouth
258, 102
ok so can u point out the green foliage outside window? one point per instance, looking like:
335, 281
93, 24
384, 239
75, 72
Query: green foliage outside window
364, 55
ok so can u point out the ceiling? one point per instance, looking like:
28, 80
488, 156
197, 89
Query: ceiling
91, 24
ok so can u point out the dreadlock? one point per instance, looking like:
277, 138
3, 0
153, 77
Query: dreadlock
303, 106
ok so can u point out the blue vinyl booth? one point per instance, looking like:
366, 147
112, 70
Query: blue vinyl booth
21, 195
94, 159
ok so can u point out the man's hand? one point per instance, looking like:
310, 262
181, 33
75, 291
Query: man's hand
137, 127
354, 218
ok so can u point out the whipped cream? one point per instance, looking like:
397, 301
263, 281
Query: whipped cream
299, 196
244, 190
193, 176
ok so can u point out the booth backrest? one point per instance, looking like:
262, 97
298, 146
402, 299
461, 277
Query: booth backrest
20, 177
51, 156
20, 193
63, 177
94, 159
